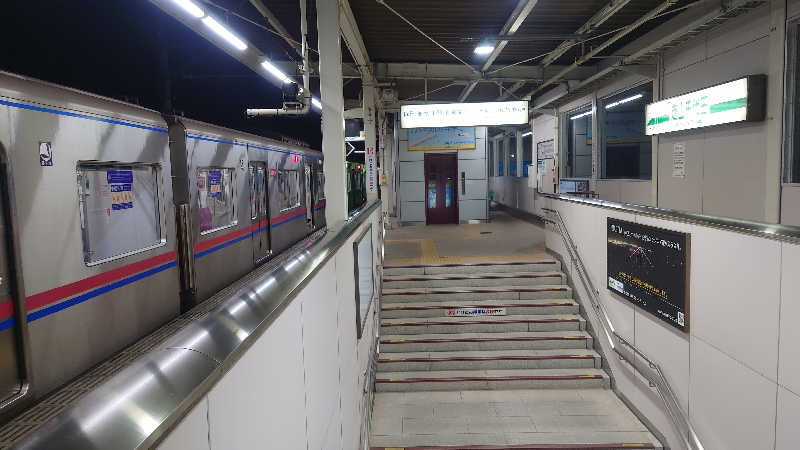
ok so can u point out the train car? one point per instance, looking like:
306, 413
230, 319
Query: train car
128, 218
89, 263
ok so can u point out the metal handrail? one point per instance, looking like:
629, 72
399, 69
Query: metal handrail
627, 351
773, 231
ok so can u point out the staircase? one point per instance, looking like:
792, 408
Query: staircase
539, 340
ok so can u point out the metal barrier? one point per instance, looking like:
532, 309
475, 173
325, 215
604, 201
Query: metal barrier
140, 405
626, 351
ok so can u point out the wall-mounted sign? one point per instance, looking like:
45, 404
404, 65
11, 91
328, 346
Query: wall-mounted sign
448, 138
372, 173
464, 114
545, 149
735, 101
649, 266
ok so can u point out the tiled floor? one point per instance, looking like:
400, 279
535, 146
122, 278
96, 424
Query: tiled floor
503, 238
503, 417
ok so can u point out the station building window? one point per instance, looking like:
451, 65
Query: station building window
289, 188
576, 153
120, 209
216, 203
491, 158
512, 157
527, 153
501, 157
626, 151
791, 145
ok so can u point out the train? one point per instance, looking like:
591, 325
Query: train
117, 218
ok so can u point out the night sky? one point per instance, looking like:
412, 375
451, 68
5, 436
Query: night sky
113, 48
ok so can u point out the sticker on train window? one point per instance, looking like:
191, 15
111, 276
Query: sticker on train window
120, 209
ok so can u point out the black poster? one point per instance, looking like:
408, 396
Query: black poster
648, 266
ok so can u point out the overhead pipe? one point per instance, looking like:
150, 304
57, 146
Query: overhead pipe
306, 108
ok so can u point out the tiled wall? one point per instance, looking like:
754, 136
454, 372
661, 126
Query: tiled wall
737, 372
411, 187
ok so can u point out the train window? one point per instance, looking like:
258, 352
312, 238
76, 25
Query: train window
253, 202
120, 209
319, 188
216, 203
289, 189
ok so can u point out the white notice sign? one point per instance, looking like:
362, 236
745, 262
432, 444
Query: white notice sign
465, 312
679, 160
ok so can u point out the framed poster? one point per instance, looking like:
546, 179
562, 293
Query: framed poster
649, 267
449, 138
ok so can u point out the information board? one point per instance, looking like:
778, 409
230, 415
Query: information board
649, 267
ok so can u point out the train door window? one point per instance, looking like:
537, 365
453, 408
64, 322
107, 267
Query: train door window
289, 189
319, 186
120, 209
216, 203
253, 195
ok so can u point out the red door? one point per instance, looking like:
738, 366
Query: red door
441, 189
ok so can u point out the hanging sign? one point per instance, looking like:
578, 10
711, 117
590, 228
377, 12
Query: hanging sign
735, 101
447, 138
464, 114
372, 173
649, 267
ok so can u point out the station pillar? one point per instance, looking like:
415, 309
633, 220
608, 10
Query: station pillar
332, 99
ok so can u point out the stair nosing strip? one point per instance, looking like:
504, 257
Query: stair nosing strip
608, 446
488, 358
481, 322
482, 264
476, 291
486, 339
432, 307
489, 378
497, 276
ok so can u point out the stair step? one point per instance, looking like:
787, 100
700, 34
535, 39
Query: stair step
486, 341
483, 324
408, 295
464, 380
513, 307
602, 442
476, 267
488, 360
473, 280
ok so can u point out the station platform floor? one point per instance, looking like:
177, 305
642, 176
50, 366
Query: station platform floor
503, 238
567, 411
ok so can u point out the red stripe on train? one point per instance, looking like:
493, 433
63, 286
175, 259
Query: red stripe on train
45, 298
6, 309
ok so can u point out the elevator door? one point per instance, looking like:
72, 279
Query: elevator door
10, 379
259, 211
441, 190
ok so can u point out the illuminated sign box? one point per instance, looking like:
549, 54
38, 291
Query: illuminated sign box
464, 114
741, 100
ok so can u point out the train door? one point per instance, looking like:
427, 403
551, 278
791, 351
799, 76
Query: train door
10, 361
309, 196
259, 210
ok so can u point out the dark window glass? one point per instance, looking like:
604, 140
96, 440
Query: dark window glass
627, 150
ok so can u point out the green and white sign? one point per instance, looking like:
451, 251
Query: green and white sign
725, 103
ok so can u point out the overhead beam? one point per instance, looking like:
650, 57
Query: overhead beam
354, 41
508, 92
589, 55
466, 91
596, 20
511, 26
420, 71
276, 24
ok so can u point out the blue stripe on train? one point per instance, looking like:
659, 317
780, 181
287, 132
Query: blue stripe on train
80, 116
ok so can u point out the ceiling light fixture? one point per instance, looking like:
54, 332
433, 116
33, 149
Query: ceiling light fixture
624, 100
275, 71
191, 8
484, 49
224, 33
583, 114
316, 103
527, 133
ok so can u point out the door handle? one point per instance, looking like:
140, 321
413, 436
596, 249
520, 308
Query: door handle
463, 183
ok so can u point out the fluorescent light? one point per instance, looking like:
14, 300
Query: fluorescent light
484, 49
583, 114
191, 8
275, 71
624, 100
224, 33
527, 133
316, 103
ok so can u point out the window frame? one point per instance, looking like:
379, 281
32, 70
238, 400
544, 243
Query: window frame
161, 207
601, 138
563, 141
299, 203
512, 157
790, 170
234, 199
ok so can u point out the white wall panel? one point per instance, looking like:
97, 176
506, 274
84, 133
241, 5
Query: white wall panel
192, 432
735, 286
732, 407
412, 190
790, 205
412, 171
472, 210
413, 212
253, 400
787, 431
475, 169
789, 367
475, 190
681, 193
